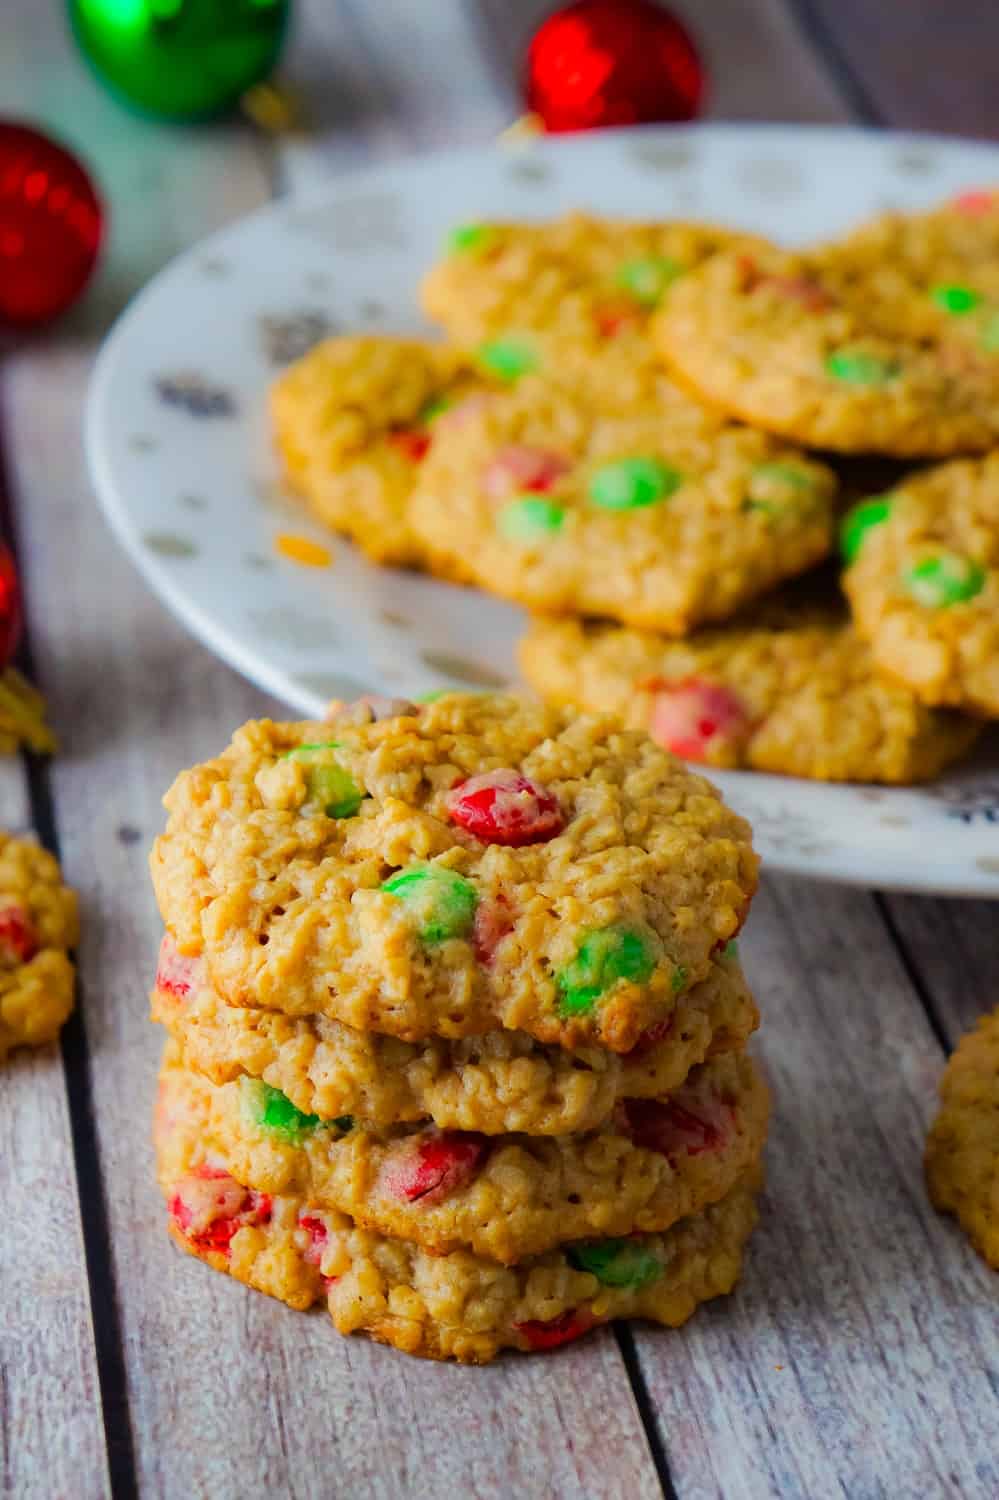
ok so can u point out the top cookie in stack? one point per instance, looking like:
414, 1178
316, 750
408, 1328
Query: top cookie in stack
458, 1023
472, 863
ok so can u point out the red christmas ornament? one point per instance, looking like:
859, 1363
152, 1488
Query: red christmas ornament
612, 62
51, 222
11, 615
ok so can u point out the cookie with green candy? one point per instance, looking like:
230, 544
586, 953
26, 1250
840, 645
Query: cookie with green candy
788, 686
506, 1197
499, 1082
457, 1305
885, 342
652, 511
353, 420
487, 863
571, 295
922, 578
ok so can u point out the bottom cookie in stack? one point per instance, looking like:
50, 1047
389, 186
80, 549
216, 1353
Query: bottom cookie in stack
446, 1244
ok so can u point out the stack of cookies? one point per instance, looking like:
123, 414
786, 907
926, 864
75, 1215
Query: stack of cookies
457, 1024
636, 432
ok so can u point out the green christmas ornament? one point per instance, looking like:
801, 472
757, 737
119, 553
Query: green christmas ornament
180, 59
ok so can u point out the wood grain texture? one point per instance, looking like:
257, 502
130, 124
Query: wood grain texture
953, 949
51, 1432
919, 65
859, 1356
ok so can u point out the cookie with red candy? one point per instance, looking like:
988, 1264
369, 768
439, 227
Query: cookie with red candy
39, 924
788, 686
505, 1197
470, 864
885, 341
456, 1305
353, 420
500, 1082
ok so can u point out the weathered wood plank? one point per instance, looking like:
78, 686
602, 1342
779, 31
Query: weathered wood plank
51, 1433
920, 65
856, 1359
953, 946
51, 1429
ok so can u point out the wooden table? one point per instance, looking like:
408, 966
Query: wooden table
860, 1355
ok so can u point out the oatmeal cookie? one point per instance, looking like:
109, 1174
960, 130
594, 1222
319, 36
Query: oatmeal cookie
790, 686
506, 1197
353, 420
840, 349
482, 861
571, 296
38, 925
923, 582
456, 1306
962, 1152
498, 1083
653, 514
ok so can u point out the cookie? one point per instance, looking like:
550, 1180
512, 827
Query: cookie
809, 346
505, 1197
456, 1306
923, 582
788, 687
962, 1152
571, 296
498, 1083
352, 422
656, 514
480, 862
38, 925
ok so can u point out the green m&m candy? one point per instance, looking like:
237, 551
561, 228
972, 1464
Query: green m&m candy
508, 358
328, 782
440, 901
946, 579
530, 518
468, 237
275, 1111
859, 521
602, 958
631, 483
647, 278
956, 299
434, 409
857, 368
616, 1262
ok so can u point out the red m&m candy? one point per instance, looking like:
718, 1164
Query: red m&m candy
696, 719
434, 1165
670, 1126
175, 974
562, 1330
18, 939
504, 807
517, 468
411, 442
